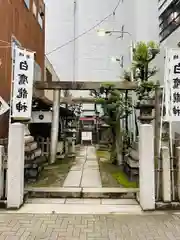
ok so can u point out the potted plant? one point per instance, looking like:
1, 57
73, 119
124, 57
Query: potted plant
144, 54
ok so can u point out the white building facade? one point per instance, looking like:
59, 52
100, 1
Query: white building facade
169, 22
88, 58
169, 31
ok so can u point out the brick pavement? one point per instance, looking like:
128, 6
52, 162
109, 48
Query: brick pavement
89, 227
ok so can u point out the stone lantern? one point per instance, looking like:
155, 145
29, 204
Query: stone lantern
70, 141
146, 112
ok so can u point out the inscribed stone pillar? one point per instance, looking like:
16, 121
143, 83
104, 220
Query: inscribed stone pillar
15, 173
146, 167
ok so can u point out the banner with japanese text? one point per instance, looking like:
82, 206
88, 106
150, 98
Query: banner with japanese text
172, 85
22, 89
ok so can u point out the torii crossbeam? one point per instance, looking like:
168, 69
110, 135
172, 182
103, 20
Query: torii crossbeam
80, 85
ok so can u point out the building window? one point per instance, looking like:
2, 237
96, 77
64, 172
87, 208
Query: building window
40, 20
169, 20
34, 9
27, 3
41, 14
162, 3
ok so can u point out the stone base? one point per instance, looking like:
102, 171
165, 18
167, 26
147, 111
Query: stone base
132, 172
3, 203
114, 193
168, 206
54, 192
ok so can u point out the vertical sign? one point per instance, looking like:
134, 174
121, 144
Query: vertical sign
22, 89
172, 85
175, 84
167, 86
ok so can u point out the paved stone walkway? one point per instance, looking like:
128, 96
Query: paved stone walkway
85, 173
89, 227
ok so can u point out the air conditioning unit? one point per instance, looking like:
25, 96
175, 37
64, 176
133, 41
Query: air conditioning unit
41, 117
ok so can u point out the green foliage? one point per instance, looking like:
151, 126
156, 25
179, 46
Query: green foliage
115, 106
127, 76
103, 154
123, 180
113, 103
144, 53
146, 90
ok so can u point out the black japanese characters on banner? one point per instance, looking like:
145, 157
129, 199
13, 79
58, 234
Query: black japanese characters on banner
22, 91
23, 83
175, 89
176, 111
23, 66
176, 83
23, 79
21, 107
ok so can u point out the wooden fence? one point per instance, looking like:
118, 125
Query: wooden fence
44, 144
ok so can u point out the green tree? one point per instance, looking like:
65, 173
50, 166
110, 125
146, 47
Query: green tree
144, 54
115, 107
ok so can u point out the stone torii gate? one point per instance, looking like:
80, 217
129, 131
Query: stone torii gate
146, 143
56, 87
15, 181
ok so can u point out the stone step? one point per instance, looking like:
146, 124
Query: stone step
113, 193
90, 206
65, 192
50, 192
81, 201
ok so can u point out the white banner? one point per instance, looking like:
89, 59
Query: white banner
172, 85
86, 136
4, 107
22, 89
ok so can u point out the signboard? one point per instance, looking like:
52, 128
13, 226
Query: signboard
41, 117
22, 88
86, 136
4, 107
172, 85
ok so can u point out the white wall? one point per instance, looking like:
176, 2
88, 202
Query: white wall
88, 58
59, 29
170, 42
51, 69
147, 22
49, 66
92, 53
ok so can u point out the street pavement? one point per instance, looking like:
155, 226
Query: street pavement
89, 227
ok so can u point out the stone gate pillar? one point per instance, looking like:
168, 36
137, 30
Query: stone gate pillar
15, 166
146, 164
55, 126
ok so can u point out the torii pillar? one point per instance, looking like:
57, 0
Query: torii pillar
55, 125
